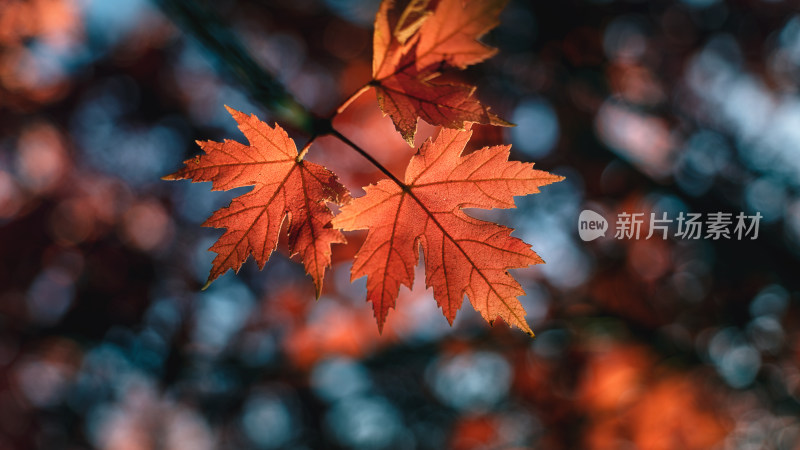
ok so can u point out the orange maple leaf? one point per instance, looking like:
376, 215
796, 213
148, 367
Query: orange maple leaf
396, 23
451, 33
286, 188
407, 96
412, 43
463, 255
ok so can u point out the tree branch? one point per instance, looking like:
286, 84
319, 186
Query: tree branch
199, 21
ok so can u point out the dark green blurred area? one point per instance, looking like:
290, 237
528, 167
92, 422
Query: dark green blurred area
106, 340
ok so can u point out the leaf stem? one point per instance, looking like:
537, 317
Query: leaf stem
353, 97
303, 152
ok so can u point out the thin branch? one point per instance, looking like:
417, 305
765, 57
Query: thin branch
369, 157
207, 28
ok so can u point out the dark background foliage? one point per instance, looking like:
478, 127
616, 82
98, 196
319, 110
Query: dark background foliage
107, 342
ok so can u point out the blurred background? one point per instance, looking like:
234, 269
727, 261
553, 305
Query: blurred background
107, 342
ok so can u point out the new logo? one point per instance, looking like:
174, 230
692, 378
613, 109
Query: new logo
591, 225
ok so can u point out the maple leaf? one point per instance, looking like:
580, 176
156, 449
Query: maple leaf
463, 255
406, 97
411, 43
451, 33
286, 189
395, 24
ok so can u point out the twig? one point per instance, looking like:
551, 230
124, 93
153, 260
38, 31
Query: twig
369, 157
207, 28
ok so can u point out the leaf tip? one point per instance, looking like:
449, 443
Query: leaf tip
407, 131
497, 121
525, 328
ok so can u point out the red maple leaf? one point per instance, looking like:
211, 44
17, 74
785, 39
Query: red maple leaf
412, 42
450, 35
463, 255
286, 189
